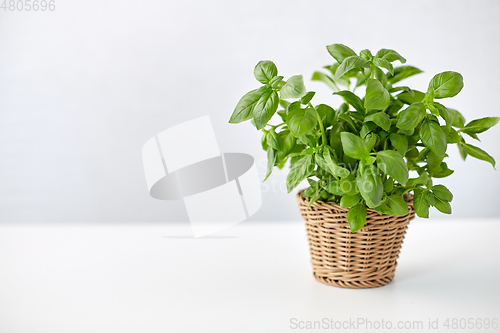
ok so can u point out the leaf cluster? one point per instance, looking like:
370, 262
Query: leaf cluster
362, 153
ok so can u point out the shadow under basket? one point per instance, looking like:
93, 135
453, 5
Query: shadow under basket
364, 259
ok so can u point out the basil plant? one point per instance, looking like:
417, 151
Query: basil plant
360, 154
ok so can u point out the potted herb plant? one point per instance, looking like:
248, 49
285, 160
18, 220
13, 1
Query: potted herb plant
371, 163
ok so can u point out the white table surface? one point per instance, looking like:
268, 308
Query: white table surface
254, 277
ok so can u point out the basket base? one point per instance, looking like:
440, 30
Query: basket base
340, 258
354, 284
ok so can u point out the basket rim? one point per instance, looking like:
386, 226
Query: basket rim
302, 200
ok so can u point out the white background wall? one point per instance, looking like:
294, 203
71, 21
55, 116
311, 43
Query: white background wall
82, 88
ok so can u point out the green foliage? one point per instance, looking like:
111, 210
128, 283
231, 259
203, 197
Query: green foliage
392, 163
361, 154
446, 84
265, 71
377, 97
357, 217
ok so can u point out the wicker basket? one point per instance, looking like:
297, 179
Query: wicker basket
365, 259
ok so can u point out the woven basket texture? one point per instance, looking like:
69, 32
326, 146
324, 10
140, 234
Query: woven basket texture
364, 259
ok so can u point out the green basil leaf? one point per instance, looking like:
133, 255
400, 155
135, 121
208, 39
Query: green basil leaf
272, 139
400, 142
265, 71
458, 119
314, 198
263, 141
446, 84
366, 129
412, 138
348, 185
244, 108
412, 152
301, 121
370, 185
480, 125
281, 159
348, 201
340, 52
271, 158
352, 99
382, 119
403, 72
380, 75
433, 109
360, 80
394, 107
452, 136
335, 169
433, 137
402, 88
284, 104
356, 216
326, 111
288, 141
390, 55
461, 150
388, 185
310, 190
444, 113
343, 80
334, 134
308, 151
472, 135
276, 82
293, 88
282, 114
420, 180
347, 118
318, 76
433, 161
392, 163
320, 161
381, 62
431, 199
478, 153
384, 209
366, 54
398, 205
265, 108
442, 206
343, 108
411, 116
356, 115
312, 182
334, 188
370, 140
442, 171
308, 140
307, 97
299, 171
326, 196
410, 98
377, 97
441, 192
349, 63
420, 203
353, 146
